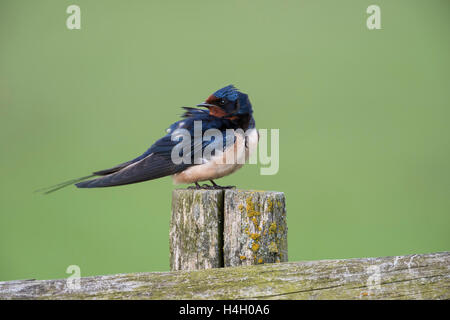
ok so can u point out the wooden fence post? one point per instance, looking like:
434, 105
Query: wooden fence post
217, 228
255, 228
196, 229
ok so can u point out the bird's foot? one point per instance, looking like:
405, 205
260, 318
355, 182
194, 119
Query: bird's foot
216, 186
196, 187
203, 186
224, 187
207, 186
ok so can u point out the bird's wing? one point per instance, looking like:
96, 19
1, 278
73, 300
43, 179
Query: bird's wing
152, 167
155, 163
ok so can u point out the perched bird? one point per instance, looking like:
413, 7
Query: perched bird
227, 108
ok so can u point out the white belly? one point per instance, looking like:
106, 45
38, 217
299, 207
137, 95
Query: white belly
219, 166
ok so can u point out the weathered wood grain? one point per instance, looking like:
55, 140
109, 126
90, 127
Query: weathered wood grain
196, 229
419, 276
216, 228
255, 227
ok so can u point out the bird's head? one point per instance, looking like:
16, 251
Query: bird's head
228, 102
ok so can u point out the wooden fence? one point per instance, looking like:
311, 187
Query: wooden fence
233, 245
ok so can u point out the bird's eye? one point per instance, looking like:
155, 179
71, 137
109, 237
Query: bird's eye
222, 102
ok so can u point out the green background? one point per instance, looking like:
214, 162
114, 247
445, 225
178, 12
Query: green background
363, 118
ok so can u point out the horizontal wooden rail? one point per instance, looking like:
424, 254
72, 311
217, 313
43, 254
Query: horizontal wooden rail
419, 276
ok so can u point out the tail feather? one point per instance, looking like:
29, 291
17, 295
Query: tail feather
64, 184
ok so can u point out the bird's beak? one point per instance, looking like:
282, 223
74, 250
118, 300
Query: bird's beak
204, 104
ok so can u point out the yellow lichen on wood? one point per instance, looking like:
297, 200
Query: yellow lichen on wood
269, 205
256, 213
273, 247
251, 211
273, 228
255, 222
255, 236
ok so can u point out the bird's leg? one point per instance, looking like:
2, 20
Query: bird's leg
197, 186
216, 186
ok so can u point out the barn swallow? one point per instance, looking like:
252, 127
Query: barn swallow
227, 108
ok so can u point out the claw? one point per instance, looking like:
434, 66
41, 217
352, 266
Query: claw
208, 187
216, 186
